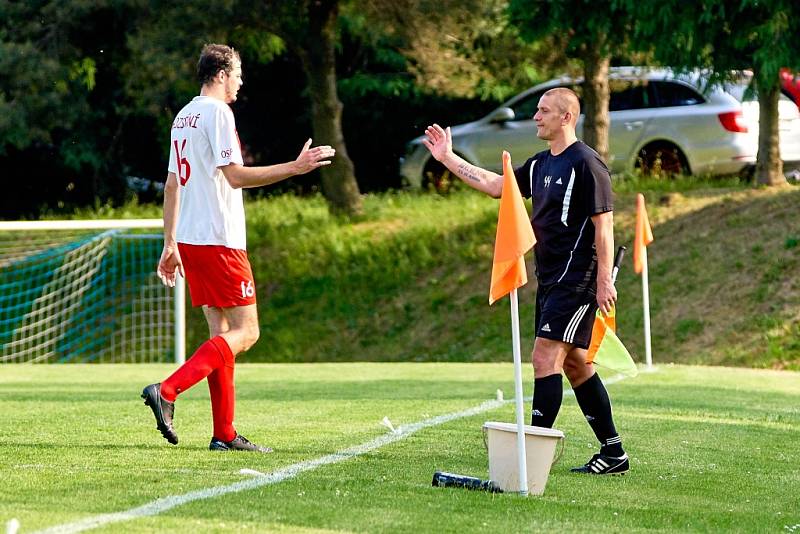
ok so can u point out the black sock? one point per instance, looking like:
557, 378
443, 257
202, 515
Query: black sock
596, 407
547, 395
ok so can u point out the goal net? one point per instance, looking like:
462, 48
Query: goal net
86, 291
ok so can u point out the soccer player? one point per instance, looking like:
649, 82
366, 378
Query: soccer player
204, 240
574, 227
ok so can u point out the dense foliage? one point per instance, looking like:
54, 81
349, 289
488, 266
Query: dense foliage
88, 89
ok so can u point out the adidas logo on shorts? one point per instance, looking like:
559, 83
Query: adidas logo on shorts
546, 327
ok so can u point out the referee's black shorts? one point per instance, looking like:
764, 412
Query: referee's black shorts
565, 314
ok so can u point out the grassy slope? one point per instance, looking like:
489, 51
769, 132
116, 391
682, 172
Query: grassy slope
724, 278
712, 450
409, 280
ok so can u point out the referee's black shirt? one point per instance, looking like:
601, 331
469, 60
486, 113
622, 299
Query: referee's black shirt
567, 191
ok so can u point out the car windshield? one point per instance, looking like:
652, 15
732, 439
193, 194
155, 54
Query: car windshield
525, 109
625, 95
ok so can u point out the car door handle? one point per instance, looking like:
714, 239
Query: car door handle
633, 125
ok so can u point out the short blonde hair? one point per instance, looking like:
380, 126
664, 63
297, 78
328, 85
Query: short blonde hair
566, 100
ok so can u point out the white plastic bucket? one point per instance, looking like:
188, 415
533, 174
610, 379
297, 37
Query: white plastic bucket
540, 448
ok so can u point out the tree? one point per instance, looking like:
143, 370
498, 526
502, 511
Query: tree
462, 48
464, 57
461, 59
159, 75
58, 84
725, 37
88, 89
590, 30
309, 29
457, 61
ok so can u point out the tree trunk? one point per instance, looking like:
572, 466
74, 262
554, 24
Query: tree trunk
595, 99
339, 184
769, 166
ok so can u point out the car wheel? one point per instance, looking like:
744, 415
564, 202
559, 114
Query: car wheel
438, 178
661, 160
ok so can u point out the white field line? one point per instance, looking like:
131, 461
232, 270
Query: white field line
160, 506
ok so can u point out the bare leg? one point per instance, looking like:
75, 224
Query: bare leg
242, 331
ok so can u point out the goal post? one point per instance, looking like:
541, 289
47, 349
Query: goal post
86, 291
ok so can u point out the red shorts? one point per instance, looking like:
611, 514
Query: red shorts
218, 276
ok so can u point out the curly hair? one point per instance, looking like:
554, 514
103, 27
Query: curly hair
214, 58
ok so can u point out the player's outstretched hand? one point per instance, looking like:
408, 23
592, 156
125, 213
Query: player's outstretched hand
312, 158
169, 265
439, 141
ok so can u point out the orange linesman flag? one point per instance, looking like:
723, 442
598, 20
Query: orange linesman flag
605, 349
514, 238
643, 235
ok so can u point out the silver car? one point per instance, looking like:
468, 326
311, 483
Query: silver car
660, 122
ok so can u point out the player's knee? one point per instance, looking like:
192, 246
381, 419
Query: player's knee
543, 363
537, 360
573, 370
214, 332
543, 354
548, 356
250, 336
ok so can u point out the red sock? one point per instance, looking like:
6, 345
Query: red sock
223, 402
209, 356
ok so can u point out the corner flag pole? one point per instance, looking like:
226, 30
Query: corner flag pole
518, 398
514, 238
648, 356
643, 236
180, 319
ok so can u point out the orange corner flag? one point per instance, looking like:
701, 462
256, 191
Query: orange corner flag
643, 235
514, 238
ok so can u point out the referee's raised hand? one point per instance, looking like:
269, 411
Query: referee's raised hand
439, 141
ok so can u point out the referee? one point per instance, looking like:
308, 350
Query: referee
574, 227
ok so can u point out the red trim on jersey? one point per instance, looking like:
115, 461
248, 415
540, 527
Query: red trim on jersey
218, 276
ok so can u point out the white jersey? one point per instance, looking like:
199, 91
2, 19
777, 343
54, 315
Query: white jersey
203, 139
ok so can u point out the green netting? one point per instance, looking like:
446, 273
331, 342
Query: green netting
83, 297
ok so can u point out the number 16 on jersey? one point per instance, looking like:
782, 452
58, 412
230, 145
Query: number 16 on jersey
183, 163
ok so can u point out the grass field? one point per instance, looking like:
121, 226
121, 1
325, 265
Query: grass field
712, 449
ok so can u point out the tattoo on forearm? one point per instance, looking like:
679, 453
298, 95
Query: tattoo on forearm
469, 172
